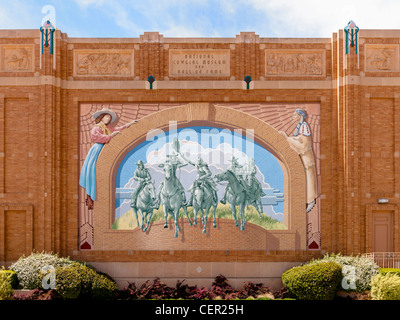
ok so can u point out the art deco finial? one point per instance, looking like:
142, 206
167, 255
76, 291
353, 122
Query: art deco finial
47, 31
351, 36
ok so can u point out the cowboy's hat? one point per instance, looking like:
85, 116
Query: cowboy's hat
107, 111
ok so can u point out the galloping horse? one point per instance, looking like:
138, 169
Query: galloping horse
171, 197
255, 194
202, 201
236, 195
145, 203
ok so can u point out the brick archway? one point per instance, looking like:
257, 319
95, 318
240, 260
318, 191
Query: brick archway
192, 114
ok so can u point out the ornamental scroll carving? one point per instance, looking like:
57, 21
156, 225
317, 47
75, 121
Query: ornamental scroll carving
104, 63
382, 57
17, 58
295, 63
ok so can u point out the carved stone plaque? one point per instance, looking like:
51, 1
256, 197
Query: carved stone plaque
382, 58
295, 62
17, 58
103, 63
199, 63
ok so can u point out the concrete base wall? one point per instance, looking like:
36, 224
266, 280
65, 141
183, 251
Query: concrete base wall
201, 274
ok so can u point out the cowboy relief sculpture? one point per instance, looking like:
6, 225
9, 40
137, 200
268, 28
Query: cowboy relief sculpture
101, 134
144, 196
171, 194
160, 181
301, 142
255, 191
203, 191
242, 189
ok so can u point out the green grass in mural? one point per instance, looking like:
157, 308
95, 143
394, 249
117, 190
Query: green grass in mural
128, 220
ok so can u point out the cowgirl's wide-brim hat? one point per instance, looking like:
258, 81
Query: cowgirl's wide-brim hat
106, 111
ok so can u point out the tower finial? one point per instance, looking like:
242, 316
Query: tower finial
351, 36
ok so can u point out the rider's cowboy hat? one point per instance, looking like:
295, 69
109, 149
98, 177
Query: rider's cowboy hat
139, 162
105, 111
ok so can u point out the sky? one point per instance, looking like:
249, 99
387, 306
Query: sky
200, 18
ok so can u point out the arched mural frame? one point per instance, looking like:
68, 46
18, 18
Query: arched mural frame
194, 114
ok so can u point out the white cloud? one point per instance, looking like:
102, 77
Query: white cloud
322, 18
87, 3
204, 18
219, 155
123, 19
18, 15
180, 31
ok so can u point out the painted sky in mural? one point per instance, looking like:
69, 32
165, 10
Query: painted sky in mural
216, 147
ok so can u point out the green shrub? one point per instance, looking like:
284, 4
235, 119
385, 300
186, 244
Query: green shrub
95, 285
391, 270
13, 278
29, 268
6, 289
385, 287
87, 275
68, 281
81, 281
313, 282
103, 287
357, 271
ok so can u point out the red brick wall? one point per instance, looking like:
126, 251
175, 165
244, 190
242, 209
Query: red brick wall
359, 159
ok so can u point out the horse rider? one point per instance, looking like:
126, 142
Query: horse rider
172, 159
237, 170
203, 176
250, 171
142, 175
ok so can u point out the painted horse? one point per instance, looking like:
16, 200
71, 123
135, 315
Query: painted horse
203, 200
171, 196
235, 195
254, 194
145, 204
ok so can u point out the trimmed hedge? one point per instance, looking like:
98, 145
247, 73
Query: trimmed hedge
103, 287
80, 281
385, 286
68, 282
313, 282
12, 277
6, 289
384, 271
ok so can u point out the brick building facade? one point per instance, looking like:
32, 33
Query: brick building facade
46, 104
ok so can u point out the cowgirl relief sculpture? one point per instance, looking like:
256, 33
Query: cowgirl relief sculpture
101, 134
301, 142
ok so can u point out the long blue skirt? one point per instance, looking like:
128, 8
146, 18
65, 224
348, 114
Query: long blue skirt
87, 178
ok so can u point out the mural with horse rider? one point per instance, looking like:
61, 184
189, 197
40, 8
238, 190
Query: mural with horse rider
186, 175
193, 177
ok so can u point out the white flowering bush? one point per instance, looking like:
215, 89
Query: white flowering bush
30, 269
357, 271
